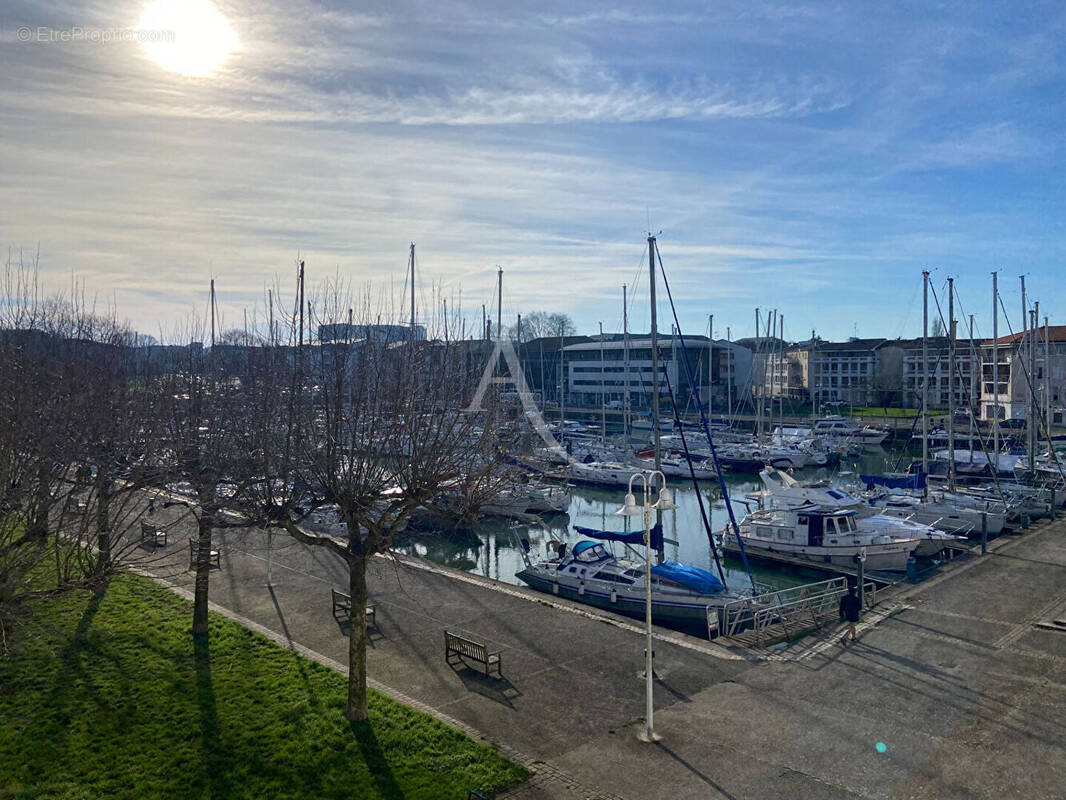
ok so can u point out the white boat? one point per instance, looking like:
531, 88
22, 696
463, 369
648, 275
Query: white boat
590, 574
519, 500
959, 514
825, 536
843, 430
783, 491
602, 473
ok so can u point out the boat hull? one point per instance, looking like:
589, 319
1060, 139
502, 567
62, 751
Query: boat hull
880, 558
663, 612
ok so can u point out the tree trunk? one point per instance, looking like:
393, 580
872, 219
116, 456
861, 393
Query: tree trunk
103, 527
203, 573
357, 639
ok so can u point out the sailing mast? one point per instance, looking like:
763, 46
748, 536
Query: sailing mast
710, 367
973, 386
603, 393
995, 367
626, 403
499, 302
654, 371
951, 383
212, 313
925, 372
413, 290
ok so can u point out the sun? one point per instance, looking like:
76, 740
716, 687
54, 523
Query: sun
190, 37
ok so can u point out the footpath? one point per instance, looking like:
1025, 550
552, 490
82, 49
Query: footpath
960, 694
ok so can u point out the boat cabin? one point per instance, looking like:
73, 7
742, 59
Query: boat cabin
813, 527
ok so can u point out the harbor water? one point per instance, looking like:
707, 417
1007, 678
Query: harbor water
491, 547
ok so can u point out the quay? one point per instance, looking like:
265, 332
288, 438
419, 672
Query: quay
956, 693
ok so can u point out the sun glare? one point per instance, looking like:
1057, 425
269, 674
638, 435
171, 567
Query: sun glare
187, 36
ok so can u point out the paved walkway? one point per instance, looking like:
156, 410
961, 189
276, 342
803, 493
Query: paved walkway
966, 696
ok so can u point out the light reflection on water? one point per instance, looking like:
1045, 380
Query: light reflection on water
491, 547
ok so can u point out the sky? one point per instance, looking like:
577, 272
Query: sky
812, 158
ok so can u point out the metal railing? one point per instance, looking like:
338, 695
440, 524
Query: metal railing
795, 609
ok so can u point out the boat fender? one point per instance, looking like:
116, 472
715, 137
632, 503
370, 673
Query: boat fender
581, 590
614, 596
555, 587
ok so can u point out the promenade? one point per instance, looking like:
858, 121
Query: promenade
956, 695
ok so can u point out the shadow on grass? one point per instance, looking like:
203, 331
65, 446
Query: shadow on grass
72, 670
214, 758
375, 761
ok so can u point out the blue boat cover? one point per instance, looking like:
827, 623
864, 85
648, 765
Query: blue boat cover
915, 481
630, 537
694, 578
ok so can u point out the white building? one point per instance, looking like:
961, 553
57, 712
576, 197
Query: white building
1016, 375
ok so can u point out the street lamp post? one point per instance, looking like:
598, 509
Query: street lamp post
631, 509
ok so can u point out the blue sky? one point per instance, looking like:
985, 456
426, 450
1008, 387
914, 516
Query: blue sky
807, 157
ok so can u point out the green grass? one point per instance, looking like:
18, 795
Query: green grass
105, 694
878, 411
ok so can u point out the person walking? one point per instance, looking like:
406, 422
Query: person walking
850, 610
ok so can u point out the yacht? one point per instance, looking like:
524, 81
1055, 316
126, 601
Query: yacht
589, 573
602, 473
784, 491
956, 513
840, 429
830, 536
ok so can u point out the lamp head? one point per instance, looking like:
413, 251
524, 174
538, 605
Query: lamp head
630, 507
666, 500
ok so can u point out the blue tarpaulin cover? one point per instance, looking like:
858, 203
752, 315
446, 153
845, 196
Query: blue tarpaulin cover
630, 537
694, 578
915, 481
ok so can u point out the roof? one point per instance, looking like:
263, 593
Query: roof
1057, 333
857, 344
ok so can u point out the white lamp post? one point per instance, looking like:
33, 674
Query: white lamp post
631, 509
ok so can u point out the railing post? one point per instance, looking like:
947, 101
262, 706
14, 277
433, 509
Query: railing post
984, 533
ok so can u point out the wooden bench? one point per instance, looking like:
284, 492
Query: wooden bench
461, 647
215, 558
155, 534
343, 602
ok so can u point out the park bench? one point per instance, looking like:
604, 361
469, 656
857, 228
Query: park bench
215, 557
155, 534
460, 647
343, 602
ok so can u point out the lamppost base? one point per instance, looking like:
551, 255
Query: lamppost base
643, 736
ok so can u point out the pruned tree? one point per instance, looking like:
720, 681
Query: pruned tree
203, 422
538, 324
377, 431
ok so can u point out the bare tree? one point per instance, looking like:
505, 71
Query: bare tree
377, 431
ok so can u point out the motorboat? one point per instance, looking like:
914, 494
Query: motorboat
784, 491
841, 429
830, 536
589, 573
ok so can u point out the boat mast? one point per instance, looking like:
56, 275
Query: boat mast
413, 289
758, 404
1021, 364
1033, 333
603, 393
951, 383
973, 387
626, 404
710, 366
925, 372
654, 369
562, 403
1047, 378
499, 302
212, 313
995, 367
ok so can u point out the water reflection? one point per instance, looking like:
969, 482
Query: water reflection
492, 547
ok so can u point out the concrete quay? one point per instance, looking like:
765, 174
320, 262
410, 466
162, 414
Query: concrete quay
951, 692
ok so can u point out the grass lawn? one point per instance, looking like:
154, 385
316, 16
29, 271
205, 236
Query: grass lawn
106, 695
878, 411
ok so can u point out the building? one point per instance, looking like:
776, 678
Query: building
1016, 375
598, 372
967, 384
